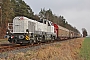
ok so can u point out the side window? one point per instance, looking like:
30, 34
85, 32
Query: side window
44, 22
48, 24
52, 24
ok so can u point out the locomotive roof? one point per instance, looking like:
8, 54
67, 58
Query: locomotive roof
21, 17
25, 18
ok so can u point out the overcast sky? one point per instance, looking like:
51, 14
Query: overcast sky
76, 12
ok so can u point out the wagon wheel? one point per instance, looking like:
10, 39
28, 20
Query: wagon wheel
31, 42
14, 41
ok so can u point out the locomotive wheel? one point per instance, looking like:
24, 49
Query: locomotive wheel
37, 39
31, 42
53, 37
14, 41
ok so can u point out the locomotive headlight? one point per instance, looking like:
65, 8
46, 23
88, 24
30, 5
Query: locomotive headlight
12, 36
7, 32
6, 36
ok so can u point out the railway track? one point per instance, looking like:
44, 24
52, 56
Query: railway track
7, 47
11, 47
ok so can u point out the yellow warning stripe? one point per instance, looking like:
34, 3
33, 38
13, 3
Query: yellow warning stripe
27, 37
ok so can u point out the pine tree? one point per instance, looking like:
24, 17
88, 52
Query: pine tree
22, 9
7, 12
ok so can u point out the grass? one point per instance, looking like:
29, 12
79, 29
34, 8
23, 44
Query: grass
85, 50
3, 41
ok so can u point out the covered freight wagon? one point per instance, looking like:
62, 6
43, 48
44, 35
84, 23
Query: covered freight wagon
63, 33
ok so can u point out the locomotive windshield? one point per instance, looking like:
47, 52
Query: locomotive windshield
41, 21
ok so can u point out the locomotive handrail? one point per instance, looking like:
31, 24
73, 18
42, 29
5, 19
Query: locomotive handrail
10, 27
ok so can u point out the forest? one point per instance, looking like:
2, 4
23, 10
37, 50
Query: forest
12, 8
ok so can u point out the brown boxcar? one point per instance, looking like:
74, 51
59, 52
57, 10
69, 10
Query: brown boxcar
63, 33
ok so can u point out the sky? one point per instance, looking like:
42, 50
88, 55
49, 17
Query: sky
76, 12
